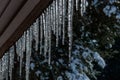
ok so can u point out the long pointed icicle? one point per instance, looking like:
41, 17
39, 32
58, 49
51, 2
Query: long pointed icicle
83, 6
11, 52
22, 48
45, 35
28, 52
60, 17
41, 33
1, 76
57, 22
70, 21
54, 16
7, 65
36, 33
49, 33
19, 52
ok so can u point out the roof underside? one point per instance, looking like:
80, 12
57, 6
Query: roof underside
15, 17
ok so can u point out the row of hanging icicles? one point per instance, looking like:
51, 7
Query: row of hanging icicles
53, 20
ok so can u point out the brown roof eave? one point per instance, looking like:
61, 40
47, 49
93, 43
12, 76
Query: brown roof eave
23, 19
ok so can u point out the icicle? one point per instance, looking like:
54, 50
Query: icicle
36, 33
19, 48
77, 6
51, 17
28, 51
57, 22
49, 33
22, 49
60, 17
23, 42
54, 16
54, 19
83, 6
45, 35
41, 33
47, 30
11, 64
70, 15
19, 43
64, 12
1, 76
5, 67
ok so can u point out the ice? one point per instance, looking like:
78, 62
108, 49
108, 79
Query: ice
20, 54
11, 63
49, 36
63, 21
70, 23
54, 17
83, 5
5, 66
60, 17
57, 22
28, 52
35, 30
20, 48
77, 6
45, 34
41, 34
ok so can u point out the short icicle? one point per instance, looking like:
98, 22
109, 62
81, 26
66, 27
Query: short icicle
1, 76
35, 27
41, 33
83, 6
7, 66
63, 21
11, 52
57, 22
60, 18
77, 5
54, 17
